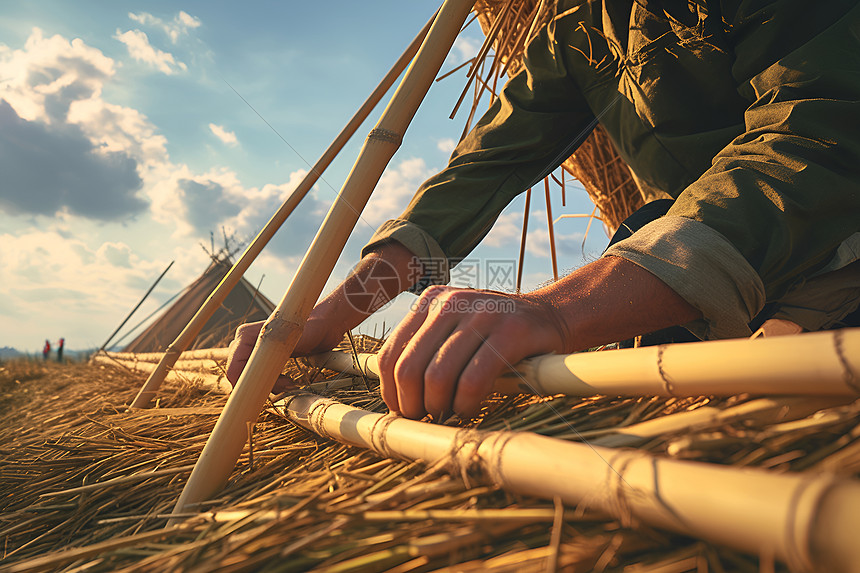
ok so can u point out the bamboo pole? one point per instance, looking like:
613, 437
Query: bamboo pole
808, 521
198, 354
282, 330
811, 364
820, 364
232, 278
760, 412
209, 380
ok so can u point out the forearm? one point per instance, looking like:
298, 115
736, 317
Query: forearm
382, 274
611, 299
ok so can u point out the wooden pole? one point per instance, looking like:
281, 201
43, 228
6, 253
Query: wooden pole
549, 224
810, 521
158, 280
812, 364
282, 330
523, 241
190, 332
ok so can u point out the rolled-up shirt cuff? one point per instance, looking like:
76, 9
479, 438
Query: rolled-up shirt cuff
704, 268
434, 262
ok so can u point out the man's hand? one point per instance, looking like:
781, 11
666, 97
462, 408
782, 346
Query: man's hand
445, 355
319, 335
380, 276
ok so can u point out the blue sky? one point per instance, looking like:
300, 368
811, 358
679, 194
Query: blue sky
122, 146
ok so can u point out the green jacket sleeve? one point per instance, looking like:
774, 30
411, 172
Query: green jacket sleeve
781, 198
535, 124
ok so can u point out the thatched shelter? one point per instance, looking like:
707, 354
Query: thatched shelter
245, 303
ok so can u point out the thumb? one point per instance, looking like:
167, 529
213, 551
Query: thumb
240, 349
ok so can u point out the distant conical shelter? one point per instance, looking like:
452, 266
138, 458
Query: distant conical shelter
244, 304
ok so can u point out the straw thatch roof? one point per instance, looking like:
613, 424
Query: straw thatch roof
85, 485
244, 304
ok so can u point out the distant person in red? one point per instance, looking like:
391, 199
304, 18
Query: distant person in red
46, 351
60, 345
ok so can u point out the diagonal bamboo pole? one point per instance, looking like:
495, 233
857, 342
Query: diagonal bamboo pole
282, 330
190, 332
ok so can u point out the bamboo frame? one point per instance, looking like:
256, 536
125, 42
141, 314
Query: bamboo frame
171, 354
808, 521
811, 364
282, 330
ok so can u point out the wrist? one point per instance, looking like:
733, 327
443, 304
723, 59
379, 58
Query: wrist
555, 312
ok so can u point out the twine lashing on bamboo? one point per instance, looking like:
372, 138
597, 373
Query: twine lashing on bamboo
385, 135
667, 384
850, 378
798, 539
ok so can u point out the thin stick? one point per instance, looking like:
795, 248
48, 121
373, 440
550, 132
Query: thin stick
251, 445
490, 515
523, 241
137, 306
281, 332
118, 481
555, 537
232, 278
551, 230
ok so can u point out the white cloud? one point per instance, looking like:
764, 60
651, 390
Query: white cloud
69, 157
178, 27
396, 187
45, 77
141, 50
62, 281
465, 48
568, 247
54, 160
507, 231
227, 137
446, 145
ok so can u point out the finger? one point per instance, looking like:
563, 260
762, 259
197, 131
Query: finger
249, 332
411, 367
284, 383
240, 350
445, 369
390, 352
496, 355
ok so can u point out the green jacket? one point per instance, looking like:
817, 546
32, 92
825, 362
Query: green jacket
749, 117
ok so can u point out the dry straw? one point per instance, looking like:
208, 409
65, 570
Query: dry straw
62, 430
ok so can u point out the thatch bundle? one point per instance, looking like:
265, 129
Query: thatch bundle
608, 180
